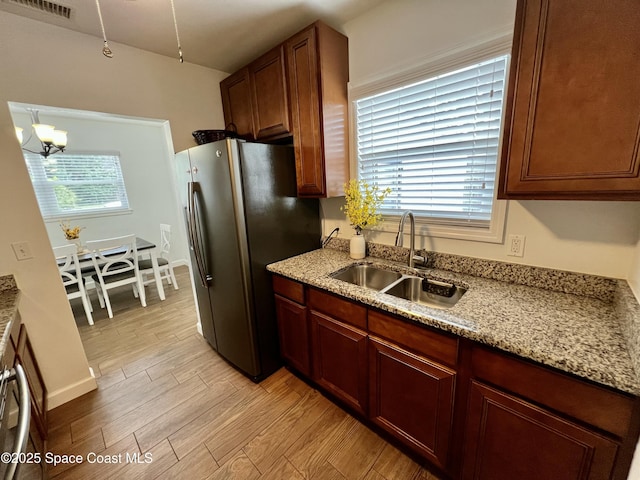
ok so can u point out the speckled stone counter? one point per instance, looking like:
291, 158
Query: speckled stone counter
580, 333
9, 297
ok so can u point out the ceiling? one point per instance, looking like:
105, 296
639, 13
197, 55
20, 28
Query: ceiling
220, 34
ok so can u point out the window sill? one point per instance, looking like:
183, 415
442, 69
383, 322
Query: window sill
59, 218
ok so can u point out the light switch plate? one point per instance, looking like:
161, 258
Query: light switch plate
22, 250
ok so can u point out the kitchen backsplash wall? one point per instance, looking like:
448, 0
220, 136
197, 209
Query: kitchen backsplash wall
598, 238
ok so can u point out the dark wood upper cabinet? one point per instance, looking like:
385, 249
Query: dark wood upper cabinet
298, 89
573, 108
254, 99
236, 104
318, 72
269, 95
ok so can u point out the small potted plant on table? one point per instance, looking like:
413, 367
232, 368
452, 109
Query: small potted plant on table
72, 234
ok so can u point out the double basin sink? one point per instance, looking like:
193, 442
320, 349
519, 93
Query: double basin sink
425, 291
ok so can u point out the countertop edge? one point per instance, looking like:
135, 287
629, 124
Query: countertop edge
9, 301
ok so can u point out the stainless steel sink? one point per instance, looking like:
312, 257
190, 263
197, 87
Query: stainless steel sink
367, 276
427, 292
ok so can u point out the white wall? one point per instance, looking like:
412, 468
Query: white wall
589, 237
72, 73
147, 170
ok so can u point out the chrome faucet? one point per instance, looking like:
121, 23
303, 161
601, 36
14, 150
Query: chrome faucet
412, 238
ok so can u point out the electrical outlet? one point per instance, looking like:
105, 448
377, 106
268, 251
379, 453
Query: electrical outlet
516, 245
22, 250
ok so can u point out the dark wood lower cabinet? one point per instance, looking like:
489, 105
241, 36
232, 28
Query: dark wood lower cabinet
508, 438
340, 360
293, 332
470, 411
411, 398
37, 389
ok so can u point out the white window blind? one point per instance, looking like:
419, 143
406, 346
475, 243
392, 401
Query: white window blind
75, 184
435, 144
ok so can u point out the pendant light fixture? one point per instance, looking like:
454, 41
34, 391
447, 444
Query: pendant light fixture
175, 25
51, 140
106, 51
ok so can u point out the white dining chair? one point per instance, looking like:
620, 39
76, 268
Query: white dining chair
115, 269
72, 277
164, 260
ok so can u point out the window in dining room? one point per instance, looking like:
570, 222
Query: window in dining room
69, 185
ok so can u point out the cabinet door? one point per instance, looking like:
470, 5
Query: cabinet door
412, 398
236, 103
508, 438
293, 332
304, 91
37, 389
340, 360
269, 95
573, 111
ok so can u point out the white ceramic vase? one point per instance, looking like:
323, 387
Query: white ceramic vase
357, 246
77, 243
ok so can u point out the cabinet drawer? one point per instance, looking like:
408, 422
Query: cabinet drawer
597, 406
289, 288
421, 340
339, 308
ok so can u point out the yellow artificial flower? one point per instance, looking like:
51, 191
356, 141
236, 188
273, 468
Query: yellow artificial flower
362, 203
70, 233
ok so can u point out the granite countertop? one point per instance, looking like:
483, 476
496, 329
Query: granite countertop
9, 297
579, 333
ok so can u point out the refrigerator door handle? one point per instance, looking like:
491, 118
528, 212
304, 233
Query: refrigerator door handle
193, 220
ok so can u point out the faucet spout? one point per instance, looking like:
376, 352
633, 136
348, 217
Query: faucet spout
412, 235
400, 234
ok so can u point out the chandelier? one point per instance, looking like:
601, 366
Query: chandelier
51, 140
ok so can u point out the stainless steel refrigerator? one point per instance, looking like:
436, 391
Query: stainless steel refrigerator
241, 214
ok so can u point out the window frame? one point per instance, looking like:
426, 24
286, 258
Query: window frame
439, 64
88, 213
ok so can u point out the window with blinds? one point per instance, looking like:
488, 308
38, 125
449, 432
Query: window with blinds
435, 144
74, 184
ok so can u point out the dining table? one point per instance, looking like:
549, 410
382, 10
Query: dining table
142, 246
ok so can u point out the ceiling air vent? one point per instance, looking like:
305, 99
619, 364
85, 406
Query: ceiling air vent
45, 6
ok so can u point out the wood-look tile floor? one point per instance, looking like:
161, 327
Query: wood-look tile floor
167, 397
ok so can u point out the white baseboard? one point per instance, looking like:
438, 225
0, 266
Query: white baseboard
68, 393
